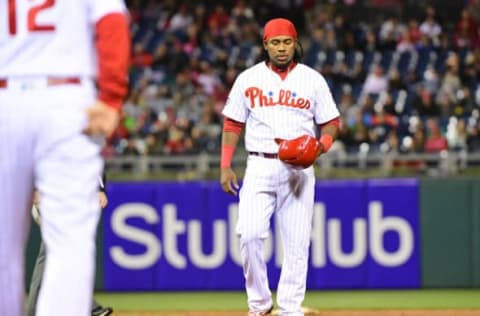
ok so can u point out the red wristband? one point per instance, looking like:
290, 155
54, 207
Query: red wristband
326, 140
227, 156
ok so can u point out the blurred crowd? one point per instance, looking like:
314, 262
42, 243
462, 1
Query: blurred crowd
402, 84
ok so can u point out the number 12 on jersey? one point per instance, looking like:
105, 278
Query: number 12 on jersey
32, 25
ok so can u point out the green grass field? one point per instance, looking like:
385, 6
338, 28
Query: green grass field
331, 300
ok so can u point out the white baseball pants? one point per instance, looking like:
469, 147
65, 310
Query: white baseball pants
42, 146
272, 186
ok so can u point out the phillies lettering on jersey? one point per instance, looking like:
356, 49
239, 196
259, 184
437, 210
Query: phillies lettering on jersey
267, 104
284, 97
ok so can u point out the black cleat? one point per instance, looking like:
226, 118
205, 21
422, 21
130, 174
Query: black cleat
102, 311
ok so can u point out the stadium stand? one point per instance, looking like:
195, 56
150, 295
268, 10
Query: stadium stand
406, 81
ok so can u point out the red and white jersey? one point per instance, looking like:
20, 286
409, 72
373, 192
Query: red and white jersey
42, 37
275, 108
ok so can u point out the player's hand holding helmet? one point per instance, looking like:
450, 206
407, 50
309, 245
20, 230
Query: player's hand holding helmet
301, 151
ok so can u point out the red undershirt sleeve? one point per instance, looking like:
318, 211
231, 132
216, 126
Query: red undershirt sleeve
113, 52
230, 125
335, 121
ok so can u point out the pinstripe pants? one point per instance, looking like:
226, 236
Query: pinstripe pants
271, 186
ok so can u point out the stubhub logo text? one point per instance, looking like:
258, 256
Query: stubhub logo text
366, 238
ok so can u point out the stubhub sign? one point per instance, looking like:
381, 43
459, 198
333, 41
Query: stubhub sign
181, 236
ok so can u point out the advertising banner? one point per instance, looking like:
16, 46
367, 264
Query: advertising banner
181, 236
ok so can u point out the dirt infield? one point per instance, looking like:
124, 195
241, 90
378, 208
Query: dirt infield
452, 312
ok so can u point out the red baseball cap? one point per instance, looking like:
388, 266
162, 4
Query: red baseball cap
279, 27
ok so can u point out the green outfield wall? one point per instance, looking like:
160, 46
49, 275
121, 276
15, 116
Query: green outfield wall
449, 235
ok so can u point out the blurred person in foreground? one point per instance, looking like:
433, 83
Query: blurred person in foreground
63, 78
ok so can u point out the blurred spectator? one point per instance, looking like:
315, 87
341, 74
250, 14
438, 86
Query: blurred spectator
154, 146
369, 43
207, 131
466, 31
425, 105
395, 81
390, 33
386, 104
456, 134
413, 29
330, 42
450, 85
435, 141
316, 45
200, 18
348, 109
131, 148
473, 138
418, 140
470, 72
341, 26
242, 11
376, 82
181, 20
176, 142
392, 143
430, 26
359, 131
431, 79
135, 9
218, 19
405, 42
141, 57
473, 7
382, 124
207, 78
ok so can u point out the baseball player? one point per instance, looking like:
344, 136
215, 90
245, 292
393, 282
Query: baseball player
63, 78
280, 102
39, 268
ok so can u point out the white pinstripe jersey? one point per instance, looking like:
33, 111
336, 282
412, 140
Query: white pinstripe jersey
275, 108
42, 37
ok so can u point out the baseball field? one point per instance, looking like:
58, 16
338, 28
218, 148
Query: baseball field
445, 302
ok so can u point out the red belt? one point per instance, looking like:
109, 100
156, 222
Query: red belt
51, 81
264, 155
